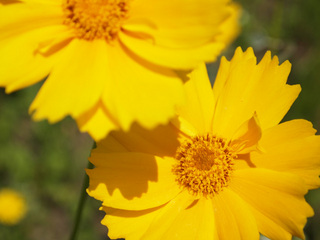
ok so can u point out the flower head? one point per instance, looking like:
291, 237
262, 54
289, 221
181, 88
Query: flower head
224, 168
109, 63
12, 207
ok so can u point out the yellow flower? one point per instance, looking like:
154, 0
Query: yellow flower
109, 63
12, 207
223, 169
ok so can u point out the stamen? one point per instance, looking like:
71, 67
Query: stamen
92, 19
205, 164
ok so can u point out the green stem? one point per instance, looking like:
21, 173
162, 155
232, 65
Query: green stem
82, 200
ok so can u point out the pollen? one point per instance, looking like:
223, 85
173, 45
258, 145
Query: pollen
95, 19
204, 165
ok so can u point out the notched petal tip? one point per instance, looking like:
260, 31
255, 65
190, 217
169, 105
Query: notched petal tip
238, 51
286, 65
241, 55
249, 51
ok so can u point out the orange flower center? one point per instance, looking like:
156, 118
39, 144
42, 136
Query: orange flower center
93, 19
205, 164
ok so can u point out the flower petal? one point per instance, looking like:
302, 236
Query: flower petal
159, 141
179, 39
17, 18
198, 110
230, 27
242, 88
130, 225
132, 181
186, 58
22, 64
182, 216
233, 217
269, 228
144, 225
247, 136
140, 91
194, 24
98, 122
291, 147
278, 196
79, 78
184, 126
194, 222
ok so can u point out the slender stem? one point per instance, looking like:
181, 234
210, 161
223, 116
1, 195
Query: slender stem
82, 200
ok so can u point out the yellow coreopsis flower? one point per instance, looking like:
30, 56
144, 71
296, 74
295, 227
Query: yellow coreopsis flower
224, 168
12, 207
109, 63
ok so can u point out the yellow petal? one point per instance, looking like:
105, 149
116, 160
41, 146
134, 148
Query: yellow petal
186, 58
198, 110
183, 126
132, 181
130, 225
22, 63
144, 225
247, 136
195, 222
242, 87
168, 215
230, 28
179, 39
17, 18
5, 2
291, 147
76, 82
279, 196
193, 25
225, 69
139, 91
269, 228
34, 1
98, 122
159, 141
233, 217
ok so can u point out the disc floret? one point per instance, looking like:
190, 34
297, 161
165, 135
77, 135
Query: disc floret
205, 164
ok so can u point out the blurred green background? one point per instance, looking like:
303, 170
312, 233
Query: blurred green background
46, 162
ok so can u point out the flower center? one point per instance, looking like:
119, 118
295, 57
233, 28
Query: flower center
93, 19
204, 166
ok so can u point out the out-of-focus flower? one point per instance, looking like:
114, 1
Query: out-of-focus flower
109, 63
12, 207
223, 169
